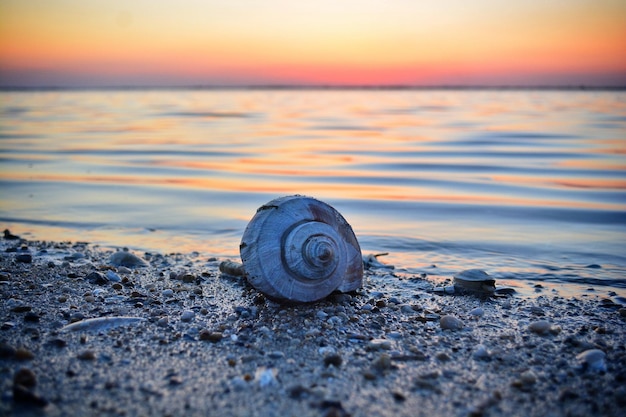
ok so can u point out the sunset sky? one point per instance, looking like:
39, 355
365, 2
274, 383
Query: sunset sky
329, 42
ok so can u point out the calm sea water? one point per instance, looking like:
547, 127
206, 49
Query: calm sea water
527, 185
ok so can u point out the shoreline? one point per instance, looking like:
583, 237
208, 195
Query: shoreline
180, 338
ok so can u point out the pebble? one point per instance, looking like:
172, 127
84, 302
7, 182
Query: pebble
593, 360
127, 259
25, 377
382, 363
333, 359
23, 354
379, 344
327, 350
167, 293
187, 278
277, 354
239, 383
449, 322
87, 355
113, 277
321, 314
480, 353
25, 396
209, 336
407, 309
96, 278
477, 312
24, 258
187, 316
6, 351
528, 377
540, 327
265, 377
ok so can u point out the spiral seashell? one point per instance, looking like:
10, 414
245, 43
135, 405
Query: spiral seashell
300, 249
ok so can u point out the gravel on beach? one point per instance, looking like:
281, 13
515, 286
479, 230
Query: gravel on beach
91, 331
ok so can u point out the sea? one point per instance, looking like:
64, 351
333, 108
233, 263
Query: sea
528, 185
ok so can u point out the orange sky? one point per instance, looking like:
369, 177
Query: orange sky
210, 42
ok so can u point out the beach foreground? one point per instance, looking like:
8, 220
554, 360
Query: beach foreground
181, 338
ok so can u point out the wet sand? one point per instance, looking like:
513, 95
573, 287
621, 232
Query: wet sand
184, 339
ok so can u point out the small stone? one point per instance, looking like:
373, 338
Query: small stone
622, 312
449, 322
6, 351
56, 342
540, 327
117, 286
407, 309
477, 312
175, 380
265, 377
187, 278
382, 363
528, 377
25, 377
87, 355
369, 375
96, 278
163, 321
297, 391
113, 277
593, 360
23, 354
168, 293
481, 353
442, 356
379, 344
187, 316
127, 259
25, 396
209, 336
333, 359
31, 317
276, 354
321, 314
26, 258
398, 396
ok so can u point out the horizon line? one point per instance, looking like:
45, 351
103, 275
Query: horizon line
572, 87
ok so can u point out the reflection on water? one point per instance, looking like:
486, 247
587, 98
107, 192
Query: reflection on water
499, 180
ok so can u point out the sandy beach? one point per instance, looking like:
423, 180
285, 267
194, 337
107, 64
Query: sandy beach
83, 335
